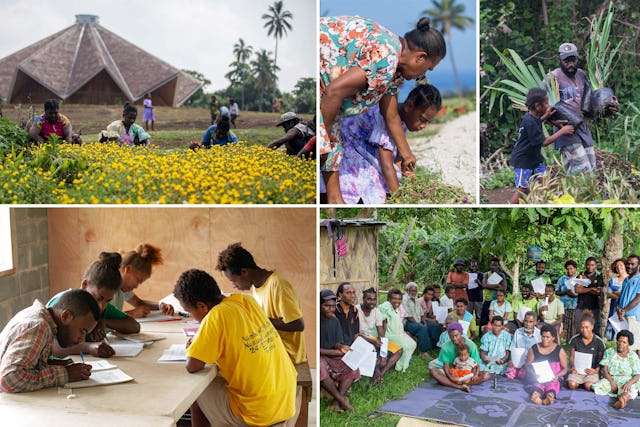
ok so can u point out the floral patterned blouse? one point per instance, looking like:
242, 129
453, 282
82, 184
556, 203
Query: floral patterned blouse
347, 42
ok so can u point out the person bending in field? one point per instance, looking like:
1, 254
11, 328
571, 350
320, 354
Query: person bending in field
297, 133
526, 157
51, 123
218, 134
126, 131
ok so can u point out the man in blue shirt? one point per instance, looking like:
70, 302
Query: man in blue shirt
628, 304
218, 134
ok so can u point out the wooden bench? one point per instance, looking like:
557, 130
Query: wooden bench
304, 381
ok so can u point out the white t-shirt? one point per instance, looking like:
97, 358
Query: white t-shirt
368, 324
445, 301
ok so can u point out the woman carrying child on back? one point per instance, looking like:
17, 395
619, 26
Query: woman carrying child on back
526, 157
363, 64
367, 171
126, 131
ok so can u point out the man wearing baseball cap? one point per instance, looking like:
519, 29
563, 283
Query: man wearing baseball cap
576, 148
332, 349
297, 133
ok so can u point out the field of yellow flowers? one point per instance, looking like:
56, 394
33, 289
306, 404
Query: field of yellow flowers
114, 174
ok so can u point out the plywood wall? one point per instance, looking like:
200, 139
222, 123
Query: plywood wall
279, 238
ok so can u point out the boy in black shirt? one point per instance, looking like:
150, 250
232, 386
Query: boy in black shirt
526, 157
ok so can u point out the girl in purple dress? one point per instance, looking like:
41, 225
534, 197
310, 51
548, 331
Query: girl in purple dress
368, 171
147, 114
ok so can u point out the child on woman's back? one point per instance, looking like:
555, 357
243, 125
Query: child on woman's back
526, 157
368, 172
464, 367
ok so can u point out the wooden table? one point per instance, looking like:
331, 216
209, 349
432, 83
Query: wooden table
158, 396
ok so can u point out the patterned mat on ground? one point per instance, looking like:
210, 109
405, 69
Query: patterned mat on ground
508, 405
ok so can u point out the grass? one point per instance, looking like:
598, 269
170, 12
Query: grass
182, 138
427, 188
366, 400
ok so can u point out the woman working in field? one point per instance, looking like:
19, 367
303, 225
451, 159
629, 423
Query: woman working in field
363, 64
126, 131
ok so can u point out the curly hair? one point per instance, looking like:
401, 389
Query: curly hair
234, 259
142, 258
105, 271
195, 286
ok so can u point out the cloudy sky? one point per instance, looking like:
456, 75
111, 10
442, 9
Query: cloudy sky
192, 34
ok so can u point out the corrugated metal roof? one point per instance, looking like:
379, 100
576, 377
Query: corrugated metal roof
65, 61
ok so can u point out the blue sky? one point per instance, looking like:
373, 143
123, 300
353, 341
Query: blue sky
403, 19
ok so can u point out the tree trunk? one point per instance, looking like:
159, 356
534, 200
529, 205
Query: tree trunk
612, 250
513, 272
453, 65
396, 267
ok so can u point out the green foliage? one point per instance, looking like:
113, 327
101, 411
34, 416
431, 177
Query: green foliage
601, 56
12, 137
427, 188
305, 95
620, 134
501, 179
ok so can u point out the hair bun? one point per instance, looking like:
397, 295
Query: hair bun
424, 24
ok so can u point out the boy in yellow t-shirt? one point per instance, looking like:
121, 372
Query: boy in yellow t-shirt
258, 384
272, 292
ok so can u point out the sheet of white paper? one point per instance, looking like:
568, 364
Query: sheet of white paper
543, 371
110, 376
494, 279
495, 358
466, 377
571, 285
434, 305
617, 324
384, 348
129, 349
518, 357
100, 365
582, 361
472, 280
360, 357
584, 282
174, 354
538, 286
522, 311
465, 326
441, 314
157, 316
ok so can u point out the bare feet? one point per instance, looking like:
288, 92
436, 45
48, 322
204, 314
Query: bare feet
549, 399
535, 398
466, 388
621, 403
335, 407
342, 401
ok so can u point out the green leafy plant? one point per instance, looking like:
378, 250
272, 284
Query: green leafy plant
601, 56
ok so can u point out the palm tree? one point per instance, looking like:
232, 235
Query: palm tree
242, 51
447, 15
277, 23
264, 69
239, 68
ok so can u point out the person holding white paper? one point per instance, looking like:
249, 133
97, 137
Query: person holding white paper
551, 309
540, 276
444, 336
498, 307
589, 295
448, 298
523, 339
585, 345
490, 286
475, 290
494, 347
462, 314
619, 271
629, 303
548, 350
372, 329
621, 371
524, 299
565, 290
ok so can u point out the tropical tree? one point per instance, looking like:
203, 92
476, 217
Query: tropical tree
263, 70
277, 23
241, 51
448, 15
305, 93
199, 98
239, 68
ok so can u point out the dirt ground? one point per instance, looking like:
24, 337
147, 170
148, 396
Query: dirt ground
497, 196
91, 119
453, 150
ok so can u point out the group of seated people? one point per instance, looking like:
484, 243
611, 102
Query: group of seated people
35, 343
492, 334
124, 131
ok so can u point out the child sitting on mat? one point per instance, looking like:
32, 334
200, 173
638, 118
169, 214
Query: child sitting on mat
464, 367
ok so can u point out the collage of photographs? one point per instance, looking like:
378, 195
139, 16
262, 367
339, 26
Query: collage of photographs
177, 246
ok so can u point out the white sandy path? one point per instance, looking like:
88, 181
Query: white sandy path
453, 151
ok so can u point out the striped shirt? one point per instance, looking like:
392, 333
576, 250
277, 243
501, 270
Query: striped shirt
25, 346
